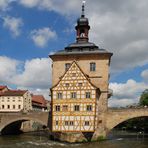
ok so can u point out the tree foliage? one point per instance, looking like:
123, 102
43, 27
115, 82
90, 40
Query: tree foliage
144, 98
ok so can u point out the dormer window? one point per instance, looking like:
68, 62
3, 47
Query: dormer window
92, 66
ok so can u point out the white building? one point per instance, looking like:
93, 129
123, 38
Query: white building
15, 101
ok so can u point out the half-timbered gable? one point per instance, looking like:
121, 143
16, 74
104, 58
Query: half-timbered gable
74, 102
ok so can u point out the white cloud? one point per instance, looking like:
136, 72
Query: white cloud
13, 24
30, 3
8, 68
4, 4
64, 7
36, 74
144, 74
126, 93
41, 37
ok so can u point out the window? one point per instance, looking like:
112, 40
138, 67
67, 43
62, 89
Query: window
67, 84
67, 66
66, 123
89, 108
73, 95
82, 33
71, 123
87, 94
13, 106
86, 123
73, 74
80, 84
3, 106
92, 66
76, 108
57, 123
19, 106
59, 95
65, 107
8, 106
57, 108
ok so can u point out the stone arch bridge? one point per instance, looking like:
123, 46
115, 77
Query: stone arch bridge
113, 117
8, 118
117, 116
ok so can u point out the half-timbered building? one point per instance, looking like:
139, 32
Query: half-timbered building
74, 102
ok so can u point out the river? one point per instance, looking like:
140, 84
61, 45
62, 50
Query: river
38, 141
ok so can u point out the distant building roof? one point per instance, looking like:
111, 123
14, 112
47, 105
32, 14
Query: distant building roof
2, 87
38, 100
14, 93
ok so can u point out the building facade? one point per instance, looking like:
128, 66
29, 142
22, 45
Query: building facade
15, 101
38, 103
80, 79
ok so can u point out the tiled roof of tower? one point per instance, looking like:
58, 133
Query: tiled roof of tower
81, 52
14, 93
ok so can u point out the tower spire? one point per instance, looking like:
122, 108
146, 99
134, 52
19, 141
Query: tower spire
83, 8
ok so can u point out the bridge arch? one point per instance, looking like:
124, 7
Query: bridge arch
15, 124
10, 119
115, 117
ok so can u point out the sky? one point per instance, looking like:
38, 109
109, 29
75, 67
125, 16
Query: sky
30, 30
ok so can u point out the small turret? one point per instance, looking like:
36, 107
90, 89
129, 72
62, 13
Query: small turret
82, 27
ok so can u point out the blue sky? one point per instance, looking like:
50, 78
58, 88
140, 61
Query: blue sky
31, 29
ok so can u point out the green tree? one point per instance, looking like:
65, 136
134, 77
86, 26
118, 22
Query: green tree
144, 98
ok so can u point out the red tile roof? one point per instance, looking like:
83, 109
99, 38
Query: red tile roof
2, 87
14, 93
39, 99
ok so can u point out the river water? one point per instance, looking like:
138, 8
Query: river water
38, 141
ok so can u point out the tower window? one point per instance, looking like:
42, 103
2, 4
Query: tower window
71, 123
92, 66
59, 95
65, 107
67, 84
76, 108
82, 33
57, 107
86, 123
87, 94
66, 123
80, 84
73, 95
67, 66
89, 108
57, 123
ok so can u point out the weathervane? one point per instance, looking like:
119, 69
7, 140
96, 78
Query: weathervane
83, 8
